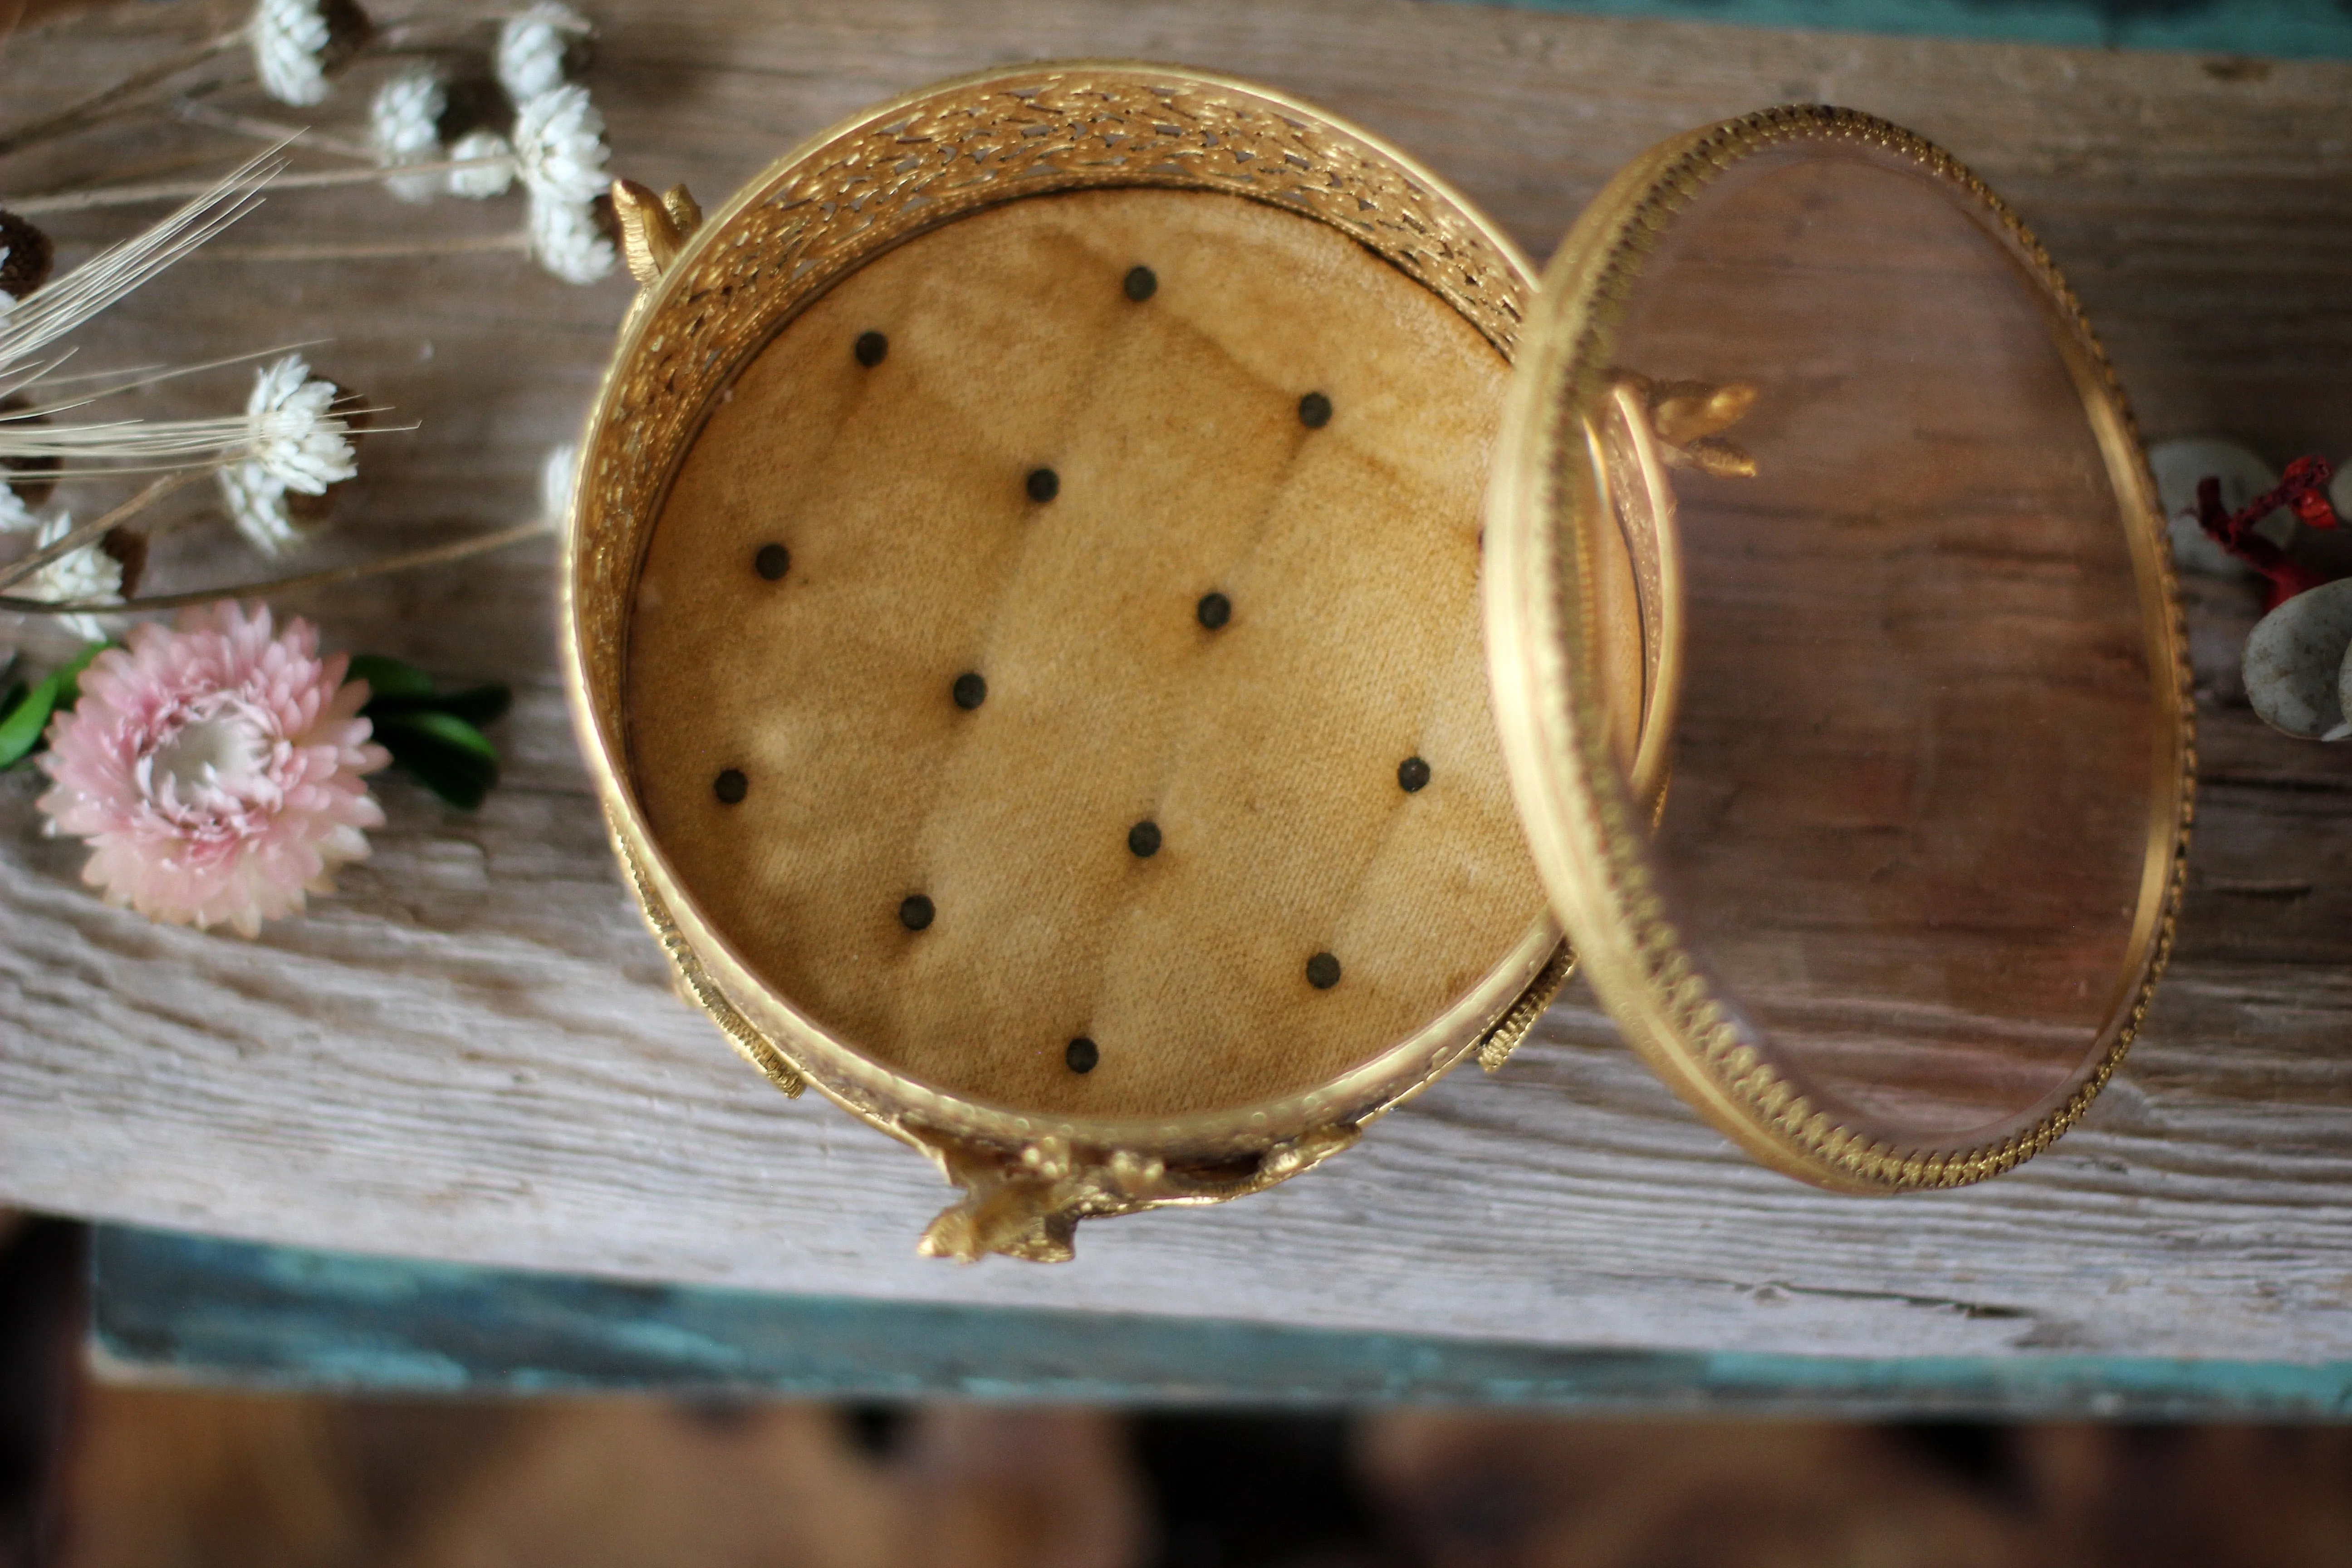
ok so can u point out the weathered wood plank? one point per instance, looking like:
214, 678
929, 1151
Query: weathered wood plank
175, 1310
470, 1052
2230, 28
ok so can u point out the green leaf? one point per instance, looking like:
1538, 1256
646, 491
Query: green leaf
69, 675
388, 677
430, 734
12, 704
445, 753
477, 705
23, 717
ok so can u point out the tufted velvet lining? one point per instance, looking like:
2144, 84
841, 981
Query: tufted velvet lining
1264, 751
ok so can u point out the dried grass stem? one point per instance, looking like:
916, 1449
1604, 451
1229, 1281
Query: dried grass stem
87, 110
462, 245
437, 556
278, 133
177, 190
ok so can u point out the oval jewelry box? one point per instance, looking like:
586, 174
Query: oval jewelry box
1115, 625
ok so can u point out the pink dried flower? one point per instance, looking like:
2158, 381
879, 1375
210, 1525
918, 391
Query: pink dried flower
215, 769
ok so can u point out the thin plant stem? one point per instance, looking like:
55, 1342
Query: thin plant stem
468, 245
197, 112
134, 378
178, 190
74, 116
17, 571
435, 556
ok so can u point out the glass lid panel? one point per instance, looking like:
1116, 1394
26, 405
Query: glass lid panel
1923, 766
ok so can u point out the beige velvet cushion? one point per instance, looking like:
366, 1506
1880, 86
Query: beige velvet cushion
1267, 752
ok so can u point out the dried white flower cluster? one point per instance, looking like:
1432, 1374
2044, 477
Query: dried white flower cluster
536, 49
560, 153
559, 141
276, 461
79, 576
557, 147
295, 443
405, 127
298, 44
491, 156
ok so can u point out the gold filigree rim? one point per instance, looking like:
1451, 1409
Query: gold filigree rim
1591, 839
1447, 245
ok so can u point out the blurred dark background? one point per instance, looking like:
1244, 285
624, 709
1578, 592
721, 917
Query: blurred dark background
97, 1475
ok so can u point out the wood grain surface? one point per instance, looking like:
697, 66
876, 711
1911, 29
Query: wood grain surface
470, 1051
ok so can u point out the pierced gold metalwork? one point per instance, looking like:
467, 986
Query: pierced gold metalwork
713, 295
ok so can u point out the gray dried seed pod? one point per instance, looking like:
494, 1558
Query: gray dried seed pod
2296, 671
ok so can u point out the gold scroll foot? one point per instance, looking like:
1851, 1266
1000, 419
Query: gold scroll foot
1028, 1205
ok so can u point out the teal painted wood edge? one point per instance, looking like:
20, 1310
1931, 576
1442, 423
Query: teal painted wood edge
173, 1307
2288, 29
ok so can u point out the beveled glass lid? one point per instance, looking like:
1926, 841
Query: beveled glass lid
1920, 684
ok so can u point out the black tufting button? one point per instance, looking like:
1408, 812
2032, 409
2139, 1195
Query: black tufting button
1322, 971
1143, 840
970, 690
1214, 611
1142, 283
1315, 411
1082, 1055
1044, 484
772, 561
915, 911
730, 786
872, 349
1412, 774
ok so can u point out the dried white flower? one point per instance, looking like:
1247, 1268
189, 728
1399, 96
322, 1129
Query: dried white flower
555, 481
298, 44
531, 47
294, 437
403, 127
560, 148
560, 153
490, 179
256, 504
16, 517
293, 443
566, 240
77, 576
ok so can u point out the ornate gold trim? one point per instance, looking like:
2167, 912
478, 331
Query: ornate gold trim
1028, 1205
721, 291
1588, 833
1512, 1029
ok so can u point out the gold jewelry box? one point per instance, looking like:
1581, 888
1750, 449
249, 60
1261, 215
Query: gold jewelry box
1115, 624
